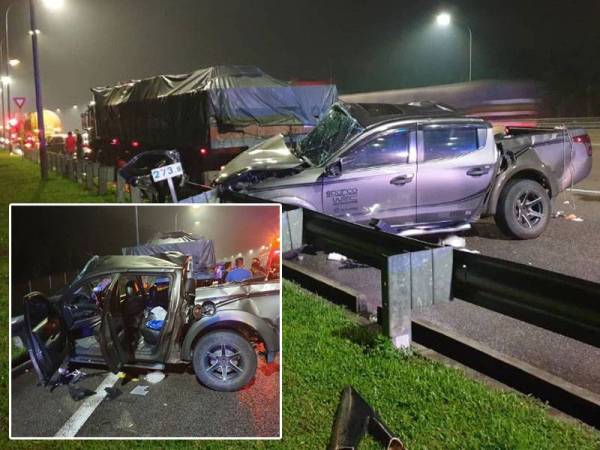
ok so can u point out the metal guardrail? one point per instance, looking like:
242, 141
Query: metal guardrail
566, 305
414, 274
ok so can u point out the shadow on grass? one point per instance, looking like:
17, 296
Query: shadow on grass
36, 195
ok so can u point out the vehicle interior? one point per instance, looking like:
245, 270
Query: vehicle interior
138, 304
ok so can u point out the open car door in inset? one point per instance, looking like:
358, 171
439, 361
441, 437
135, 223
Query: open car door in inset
113, 337
45, 334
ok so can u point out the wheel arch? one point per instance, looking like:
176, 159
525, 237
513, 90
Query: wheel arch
546, 180
244, 323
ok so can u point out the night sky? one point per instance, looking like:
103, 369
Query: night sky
362, 45
47, 240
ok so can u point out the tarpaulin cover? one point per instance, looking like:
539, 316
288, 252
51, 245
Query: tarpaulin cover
202, 252
175, 110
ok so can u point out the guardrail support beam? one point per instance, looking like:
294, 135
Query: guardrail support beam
291, 229
396, 294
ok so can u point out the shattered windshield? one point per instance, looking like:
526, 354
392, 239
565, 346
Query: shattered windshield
328, 136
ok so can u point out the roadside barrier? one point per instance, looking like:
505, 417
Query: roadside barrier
416, 274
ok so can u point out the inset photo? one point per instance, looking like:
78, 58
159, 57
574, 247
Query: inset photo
145, 321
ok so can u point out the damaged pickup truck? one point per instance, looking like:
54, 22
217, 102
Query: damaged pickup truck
146, 312
416, 168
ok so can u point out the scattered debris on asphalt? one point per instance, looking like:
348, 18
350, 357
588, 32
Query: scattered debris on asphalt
336, 257
155, 377
140, 390
78, 393
112, 392
352, 264
353, 419
454, 241
572, 217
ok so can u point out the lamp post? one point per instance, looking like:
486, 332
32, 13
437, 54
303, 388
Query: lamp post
444, 19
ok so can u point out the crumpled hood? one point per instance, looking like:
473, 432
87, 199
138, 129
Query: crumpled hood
271, 154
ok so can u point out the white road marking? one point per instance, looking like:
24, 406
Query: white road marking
76, 421
584, 191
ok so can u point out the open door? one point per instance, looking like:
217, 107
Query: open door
45, 335
113, 338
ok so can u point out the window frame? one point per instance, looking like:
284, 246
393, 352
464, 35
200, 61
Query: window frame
473, 125
381, 132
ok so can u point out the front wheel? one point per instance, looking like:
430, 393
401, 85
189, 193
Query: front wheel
523, 209
224, 361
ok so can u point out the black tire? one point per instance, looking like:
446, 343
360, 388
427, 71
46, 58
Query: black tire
238, 366
523, 210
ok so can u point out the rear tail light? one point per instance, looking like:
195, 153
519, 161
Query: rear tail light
203, 151
584, 139
114, 141
135, 144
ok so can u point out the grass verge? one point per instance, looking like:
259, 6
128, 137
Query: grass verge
429, 405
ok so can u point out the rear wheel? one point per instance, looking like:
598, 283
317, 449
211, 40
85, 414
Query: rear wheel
224, 361
523, 209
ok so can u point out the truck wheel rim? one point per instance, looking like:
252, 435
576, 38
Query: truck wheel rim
529, 209
224, 362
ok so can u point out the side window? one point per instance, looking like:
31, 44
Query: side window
451, 141
385, 149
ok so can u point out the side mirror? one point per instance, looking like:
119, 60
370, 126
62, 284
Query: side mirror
334, 170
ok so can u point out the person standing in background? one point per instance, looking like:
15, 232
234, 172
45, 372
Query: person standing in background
70, 144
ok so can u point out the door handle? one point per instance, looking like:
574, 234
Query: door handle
478, 171
402, 179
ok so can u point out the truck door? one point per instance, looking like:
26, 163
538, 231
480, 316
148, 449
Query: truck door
113, 336
377, 180
456, 165
45, 335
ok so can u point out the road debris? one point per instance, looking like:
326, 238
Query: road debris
454, 241
112, 392
155, 377
353, 419
336, 257
140, 390
78, 393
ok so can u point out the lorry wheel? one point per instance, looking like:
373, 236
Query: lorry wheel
523, 209
224, 361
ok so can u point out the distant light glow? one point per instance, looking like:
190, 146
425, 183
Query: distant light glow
443, 19
5, 79
14, 62
54, 4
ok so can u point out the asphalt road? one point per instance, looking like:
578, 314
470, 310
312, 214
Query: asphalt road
178, 406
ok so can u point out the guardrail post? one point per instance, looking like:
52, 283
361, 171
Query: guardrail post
89, 175
68, 167
79, 170
102, 180
136, 194
120, 189
411, 281
396, 299
291, 229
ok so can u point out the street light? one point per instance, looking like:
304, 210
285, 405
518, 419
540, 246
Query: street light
53, 4
14, 62
443, 20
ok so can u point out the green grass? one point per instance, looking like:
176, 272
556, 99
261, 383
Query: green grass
427, 404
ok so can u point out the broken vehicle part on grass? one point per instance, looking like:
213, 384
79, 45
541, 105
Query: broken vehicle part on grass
416, 168
102, 318
354, 418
